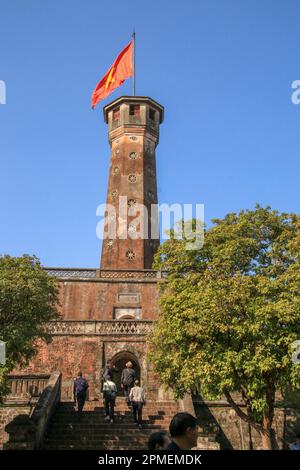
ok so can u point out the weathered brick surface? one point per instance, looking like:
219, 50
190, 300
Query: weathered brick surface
68, 354
96, 300
233, 433
132, 174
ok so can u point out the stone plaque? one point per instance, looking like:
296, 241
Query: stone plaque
128, 298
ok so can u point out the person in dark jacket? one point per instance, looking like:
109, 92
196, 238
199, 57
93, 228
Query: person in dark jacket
127, 380
158, 441
184, 432
109, 370
80, 388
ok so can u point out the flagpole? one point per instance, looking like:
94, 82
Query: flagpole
133, 60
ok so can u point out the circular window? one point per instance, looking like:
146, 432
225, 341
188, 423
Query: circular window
114, 193
133, 155
131, 202
133, 137
116, 170
130, 255
117, 151
132, 178
109, 243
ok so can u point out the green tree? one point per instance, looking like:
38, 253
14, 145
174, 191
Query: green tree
230, 312
28, 299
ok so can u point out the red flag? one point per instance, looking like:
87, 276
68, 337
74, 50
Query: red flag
121, 69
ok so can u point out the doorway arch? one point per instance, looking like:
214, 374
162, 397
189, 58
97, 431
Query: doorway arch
119, 360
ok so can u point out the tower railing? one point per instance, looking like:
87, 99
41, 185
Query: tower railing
81, 273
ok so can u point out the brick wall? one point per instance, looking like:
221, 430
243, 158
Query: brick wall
96, 300
71, 353
233, 433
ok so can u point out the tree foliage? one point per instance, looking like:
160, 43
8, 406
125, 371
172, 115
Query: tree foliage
28, 299
231, 311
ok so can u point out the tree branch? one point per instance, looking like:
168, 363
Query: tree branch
243, 415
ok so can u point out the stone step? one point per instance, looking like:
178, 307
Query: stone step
53, 433
104, 438
96, 415
121, 408
102, 424
142, 436
121, 400
120, 418
146, 409
74, 417
118, 411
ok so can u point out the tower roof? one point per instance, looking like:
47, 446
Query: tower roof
133, 100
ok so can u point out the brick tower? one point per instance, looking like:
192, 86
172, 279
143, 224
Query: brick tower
133, 129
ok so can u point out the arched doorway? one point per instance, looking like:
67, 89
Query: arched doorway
119, 360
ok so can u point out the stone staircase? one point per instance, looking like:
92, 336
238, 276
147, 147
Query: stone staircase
67, 430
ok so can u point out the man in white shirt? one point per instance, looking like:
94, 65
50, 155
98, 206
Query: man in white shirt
138, 400
109, 396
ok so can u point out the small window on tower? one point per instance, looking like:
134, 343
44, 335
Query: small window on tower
134, 110
116, 114
152, 114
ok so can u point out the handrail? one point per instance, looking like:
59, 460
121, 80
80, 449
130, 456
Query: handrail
45, 407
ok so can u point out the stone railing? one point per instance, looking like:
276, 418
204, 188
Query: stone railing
26, 386
100, 328
94, 274
69, 273
27, 431
45, 408
129, 274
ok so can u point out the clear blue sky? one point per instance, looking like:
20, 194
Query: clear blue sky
223, 70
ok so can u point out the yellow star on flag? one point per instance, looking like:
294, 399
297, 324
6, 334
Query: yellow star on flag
110, 78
